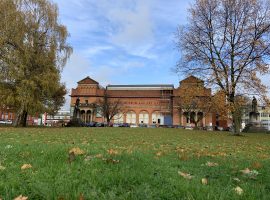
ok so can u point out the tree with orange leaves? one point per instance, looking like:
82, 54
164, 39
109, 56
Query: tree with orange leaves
227, 44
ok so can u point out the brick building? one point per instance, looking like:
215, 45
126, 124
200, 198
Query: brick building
141, 104
8, 116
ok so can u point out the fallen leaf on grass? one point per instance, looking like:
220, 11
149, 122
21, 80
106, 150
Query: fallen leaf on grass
26, 166
236, 179
21, 197
185, 175
245, 171
210, 164
2, 167
98, 156
238, 190
110, 160
250, 173
159, 153
76, 151
204, 181
88, 158
112, 152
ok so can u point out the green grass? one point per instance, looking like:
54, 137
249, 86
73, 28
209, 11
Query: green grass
149, 161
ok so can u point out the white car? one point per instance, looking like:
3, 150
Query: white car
6, 122
133, 126
189, 128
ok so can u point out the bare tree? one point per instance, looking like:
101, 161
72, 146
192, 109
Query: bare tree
108, 107
227, 43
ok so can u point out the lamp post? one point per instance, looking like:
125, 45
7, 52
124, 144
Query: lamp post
268, 121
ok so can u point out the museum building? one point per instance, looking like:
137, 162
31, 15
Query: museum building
155, 104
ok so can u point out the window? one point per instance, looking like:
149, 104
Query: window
143, 117
98, 112
118, 118
264, 114
156, 118
131, 117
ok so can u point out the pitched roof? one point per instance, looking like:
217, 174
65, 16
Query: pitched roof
88, 80
191, 79
141, 87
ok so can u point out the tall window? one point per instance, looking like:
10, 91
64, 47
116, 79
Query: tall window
156, 118
118, 118
143, 117
131, 117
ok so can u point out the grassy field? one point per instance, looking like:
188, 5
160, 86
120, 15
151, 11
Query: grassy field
125, 163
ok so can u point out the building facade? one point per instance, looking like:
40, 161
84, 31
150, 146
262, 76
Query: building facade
62, 117
8, 116
142, 104
263, 116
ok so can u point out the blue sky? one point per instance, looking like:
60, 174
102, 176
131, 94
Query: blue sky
122, 41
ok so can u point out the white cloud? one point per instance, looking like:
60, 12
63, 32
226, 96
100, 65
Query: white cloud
115, 39
93, 50
135, 26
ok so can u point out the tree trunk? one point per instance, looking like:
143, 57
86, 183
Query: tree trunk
236, 115
196, 124
21, 119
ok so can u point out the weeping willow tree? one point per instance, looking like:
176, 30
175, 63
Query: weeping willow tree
227, 44
33, 51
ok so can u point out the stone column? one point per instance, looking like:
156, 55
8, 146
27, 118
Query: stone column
203, 120
182, 119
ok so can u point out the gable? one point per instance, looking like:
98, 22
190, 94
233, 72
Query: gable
192, 79
88, 80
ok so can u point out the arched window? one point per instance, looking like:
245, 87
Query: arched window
88, 116
83, 115
143, 117
118, 118
131, 117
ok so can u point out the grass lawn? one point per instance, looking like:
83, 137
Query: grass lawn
126, 163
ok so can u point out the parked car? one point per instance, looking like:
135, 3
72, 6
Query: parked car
188, 127
133, 126
6, 122
143, 125
99, 124
116, 125
124, 125
91, 124
179, 126
209, 128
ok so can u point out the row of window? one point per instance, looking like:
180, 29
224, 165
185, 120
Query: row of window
58, 117
131, 118
265, 115
11, 116
261, 114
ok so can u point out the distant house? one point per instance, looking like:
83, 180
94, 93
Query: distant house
7, 116
61, 117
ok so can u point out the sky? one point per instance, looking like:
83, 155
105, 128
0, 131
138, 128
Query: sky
122, 41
